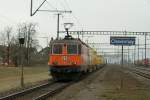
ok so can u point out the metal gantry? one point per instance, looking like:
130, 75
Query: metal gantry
120, 33
106, 33
117, 33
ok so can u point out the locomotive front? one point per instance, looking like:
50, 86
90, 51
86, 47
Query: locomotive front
65, 59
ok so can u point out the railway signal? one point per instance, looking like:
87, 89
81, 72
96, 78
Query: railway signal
21, 42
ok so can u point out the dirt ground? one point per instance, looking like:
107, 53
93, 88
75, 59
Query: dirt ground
10, 76
110, 83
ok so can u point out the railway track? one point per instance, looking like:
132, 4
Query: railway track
141, 72
37, 93
143, 69
53, 91
42, 91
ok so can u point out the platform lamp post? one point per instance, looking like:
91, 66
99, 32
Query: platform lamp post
67, 26
21, 42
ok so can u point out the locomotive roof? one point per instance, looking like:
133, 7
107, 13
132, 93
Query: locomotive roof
66, 41
73, 40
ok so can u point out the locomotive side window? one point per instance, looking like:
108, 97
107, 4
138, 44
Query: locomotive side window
79, 49
72, 49
57, 49
50, 49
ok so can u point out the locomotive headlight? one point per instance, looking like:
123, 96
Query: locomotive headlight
55, 62
74, 63
64, 58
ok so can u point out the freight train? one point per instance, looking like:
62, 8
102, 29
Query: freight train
69, 58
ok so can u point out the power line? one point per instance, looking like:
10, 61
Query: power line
6, 19
107, 33
67, 4
63, 5
73, 14
51, 5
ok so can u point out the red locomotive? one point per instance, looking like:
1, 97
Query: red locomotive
70, 57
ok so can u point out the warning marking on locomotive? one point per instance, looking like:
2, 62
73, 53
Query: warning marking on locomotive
126, 41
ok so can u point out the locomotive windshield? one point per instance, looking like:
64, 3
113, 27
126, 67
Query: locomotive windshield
57, 49
72, 49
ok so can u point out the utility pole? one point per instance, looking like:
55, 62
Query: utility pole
58, 15
145, 45
128, 56
31, 8
134, 54
138, 49
8, 48
54, 11
122, 57
132, 58
142, 55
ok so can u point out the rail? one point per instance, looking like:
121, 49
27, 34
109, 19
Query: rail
24, 92
141, 72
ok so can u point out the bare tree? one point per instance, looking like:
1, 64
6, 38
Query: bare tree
28, 30
9, 44
2, 47
3, 39
8, 31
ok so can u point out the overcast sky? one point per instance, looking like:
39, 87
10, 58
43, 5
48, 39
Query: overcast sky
130, 15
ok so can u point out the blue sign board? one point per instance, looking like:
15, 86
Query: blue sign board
125, 41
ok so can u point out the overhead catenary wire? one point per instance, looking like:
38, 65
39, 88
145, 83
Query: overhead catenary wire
51, 5
7, 19
55, 8
63, 5
73, 14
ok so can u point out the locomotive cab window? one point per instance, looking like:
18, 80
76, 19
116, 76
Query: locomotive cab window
57, 49
72, 49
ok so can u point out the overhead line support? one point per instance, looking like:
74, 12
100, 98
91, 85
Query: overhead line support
145, 48
60, 11
33, 13
58, 15
106, 32
31, 7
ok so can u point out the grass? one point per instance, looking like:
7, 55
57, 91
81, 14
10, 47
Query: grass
132, 95
10, 76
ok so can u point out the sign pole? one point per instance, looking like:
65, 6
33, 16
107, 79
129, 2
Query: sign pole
128, 57
122, 57
122, 41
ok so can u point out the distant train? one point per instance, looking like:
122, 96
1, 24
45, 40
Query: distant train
144, 62
70, 57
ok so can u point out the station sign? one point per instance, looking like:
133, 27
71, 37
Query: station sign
125, 41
